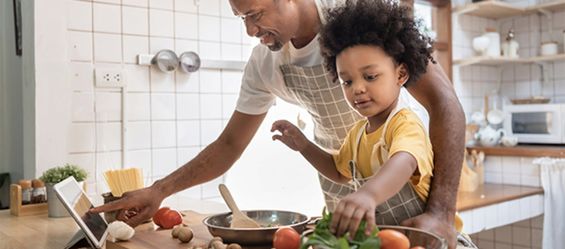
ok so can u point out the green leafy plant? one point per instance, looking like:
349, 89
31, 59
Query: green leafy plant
323, 238
58, 174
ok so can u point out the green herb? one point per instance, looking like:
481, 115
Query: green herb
323, 238
58, 174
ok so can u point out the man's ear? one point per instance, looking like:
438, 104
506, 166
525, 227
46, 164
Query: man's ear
403, 74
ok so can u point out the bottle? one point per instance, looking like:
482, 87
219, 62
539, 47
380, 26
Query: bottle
510, 46
26, 191
39, 194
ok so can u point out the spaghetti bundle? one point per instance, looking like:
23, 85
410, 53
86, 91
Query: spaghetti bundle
124, 180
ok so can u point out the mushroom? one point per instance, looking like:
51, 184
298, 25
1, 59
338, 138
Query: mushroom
185, 234
216, 243
233, 246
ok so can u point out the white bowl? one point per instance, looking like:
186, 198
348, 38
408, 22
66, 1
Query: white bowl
509, 141
480, 44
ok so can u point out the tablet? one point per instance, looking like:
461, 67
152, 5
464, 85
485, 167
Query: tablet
78, 204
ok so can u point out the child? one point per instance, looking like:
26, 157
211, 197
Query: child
383, 170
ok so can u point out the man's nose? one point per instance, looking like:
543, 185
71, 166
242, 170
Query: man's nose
251, 28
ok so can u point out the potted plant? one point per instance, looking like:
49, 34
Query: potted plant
55, 175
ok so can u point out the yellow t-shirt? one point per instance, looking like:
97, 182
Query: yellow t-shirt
406, 133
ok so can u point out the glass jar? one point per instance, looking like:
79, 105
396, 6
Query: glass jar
26, 191
39, 193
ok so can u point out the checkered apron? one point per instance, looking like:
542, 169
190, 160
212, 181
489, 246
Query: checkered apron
315, 91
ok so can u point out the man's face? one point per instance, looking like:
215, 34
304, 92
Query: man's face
274, 22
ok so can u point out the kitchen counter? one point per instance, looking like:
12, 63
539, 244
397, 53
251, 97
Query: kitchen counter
488, 194
522, 150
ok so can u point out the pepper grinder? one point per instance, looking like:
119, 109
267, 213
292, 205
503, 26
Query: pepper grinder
510, 46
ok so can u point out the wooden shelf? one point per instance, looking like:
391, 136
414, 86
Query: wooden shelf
523, 151
490, 9
488, 194
497, 61
493, 9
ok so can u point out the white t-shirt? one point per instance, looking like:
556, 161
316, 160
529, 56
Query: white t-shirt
263, 80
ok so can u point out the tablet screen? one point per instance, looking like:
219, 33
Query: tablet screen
79, 202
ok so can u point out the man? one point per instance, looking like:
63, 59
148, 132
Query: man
289, 65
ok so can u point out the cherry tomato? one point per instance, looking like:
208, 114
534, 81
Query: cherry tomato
157, 216
392, 239
286, 238
170, 219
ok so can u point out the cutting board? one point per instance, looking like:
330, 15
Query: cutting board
146, 236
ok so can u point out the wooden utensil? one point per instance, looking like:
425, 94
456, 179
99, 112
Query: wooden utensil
239, 219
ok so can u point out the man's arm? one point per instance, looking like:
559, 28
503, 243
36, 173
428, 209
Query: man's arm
447, 134
210, 163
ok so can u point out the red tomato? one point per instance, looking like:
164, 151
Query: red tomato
170, 219
157, 216
286, 238
392, 239
418, 247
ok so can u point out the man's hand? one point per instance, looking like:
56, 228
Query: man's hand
134, 207
435, 224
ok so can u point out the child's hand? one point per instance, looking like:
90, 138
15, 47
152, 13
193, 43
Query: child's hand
351, 210
290, 135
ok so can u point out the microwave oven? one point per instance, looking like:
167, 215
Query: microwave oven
536, 123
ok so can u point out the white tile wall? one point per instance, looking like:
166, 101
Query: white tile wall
170, 116
512, 170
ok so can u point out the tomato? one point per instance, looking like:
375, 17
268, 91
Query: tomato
418, 247
286, 238
392, 239
170, 219
157, 216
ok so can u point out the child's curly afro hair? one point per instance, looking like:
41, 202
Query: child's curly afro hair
382, 23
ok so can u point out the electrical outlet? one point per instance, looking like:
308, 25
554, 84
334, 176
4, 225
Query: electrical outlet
107, 77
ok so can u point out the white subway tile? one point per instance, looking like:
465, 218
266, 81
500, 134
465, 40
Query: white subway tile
231, 81
161, 4
559, 74
81, 138
209, 28
493, 164
226, 10
211, 106
231, 30
81, 76
139, 106
156, 44
163, 134
210, 189
246, 52
137, 77
188, 133
188, 106
211, 129
532, 181
162, 81
537, 205
521, 236
107, 48
82, 105
164, 162
187, 154
193, 192
139, 3
528, 168
107, 18
79, 16
108, 106
107, 1
139, 135
161, 23
231, 52
186, 6
182, 46
493, 177
186, 26
80, 46
163, 106
133, 46
229, 102
188, 83
85, 161
511, 165
209, 7
140, 159
135, 20
108, 136
511, 178
210, 81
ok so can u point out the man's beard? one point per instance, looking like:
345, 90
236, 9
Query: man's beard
277, 45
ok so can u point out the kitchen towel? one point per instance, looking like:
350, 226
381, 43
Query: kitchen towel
553, 183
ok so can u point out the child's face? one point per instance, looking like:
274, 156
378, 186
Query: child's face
370, 79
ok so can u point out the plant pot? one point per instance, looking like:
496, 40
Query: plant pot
56, 209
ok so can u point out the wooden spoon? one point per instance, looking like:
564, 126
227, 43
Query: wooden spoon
239, 219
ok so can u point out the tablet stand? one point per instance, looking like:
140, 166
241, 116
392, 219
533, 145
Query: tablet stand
80, 240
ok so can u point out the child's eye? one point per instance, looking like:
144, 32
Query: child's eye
346, 82
371, 77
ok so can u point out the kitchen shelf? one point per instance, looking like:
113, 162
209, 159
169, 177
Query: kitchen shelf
488, 194
493, 9
522, 150
496, 61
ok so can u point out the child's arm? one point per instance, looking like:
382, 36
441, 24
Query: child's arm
320, 159
361, 205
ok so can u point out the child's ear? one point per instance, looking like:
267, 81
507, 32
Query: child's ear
403, 74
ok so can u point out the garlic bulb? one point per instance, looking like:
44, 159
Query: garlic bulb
120, 230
